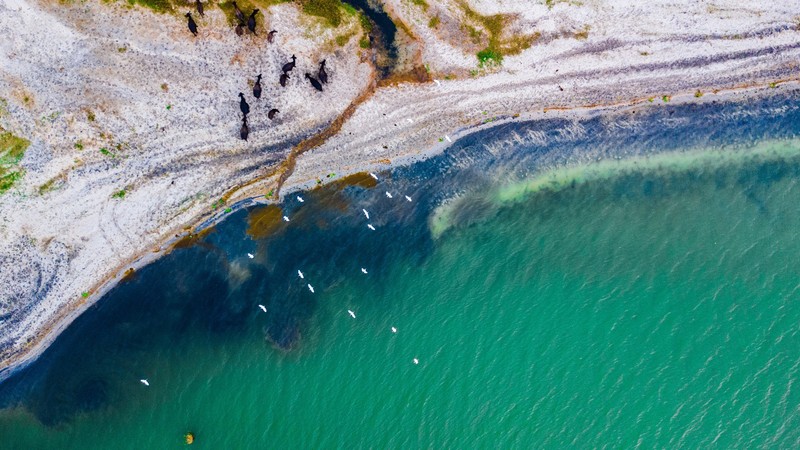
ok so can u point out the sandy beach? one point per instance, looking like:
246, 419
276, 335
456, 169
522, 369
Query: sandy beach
134, 123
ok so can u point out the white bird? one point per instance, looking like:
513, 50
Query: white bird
285, 219
373, 175
352, 314
300, 199
300, 274
263, 308
416, 361
366, 213
394, 330
408, 198
144, 382
364, 270
388, 194
311, 288
448, 138
410, 121
250, 255
437, 82
369, 225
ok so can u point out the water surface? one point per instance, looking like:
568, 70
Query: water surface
550, 300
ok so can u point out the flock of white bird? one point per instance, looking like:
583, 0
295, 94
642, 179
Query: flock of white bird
302, 276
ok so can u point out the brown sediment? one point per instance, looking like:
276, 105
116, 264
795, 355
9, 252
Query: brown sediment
128, 275
264, 221
192, 238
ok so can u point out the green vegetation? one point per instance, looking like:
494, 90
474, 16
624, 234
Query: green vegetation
122, 49
90, 116
665, 98
364, 42
698, 94
84, 294
489, 57
434, 22
497, 46
169, 107
79, 145
218, 204
12, 149
164, 87
421, 3
773, 85
52, 184
107, 152
119, 194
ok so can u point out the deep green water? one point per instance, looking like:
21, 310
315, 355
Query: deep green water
657, 305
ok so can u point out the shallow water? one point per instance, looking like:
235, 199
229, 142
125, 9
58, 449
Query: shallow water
655, 305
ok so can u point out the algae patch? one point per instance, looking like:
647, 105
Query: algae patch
12, 149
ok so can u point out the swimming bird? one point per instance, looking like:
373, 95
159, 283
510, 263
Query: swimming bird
245, 130
363, 270
416, 361
251, 21
290, 65
238, 12
199, 7
243, 105
300, 199
408, 198
250, 255
263, 308
311, 288
272, 112
394, 330
271, 36
373, 175
314, 82
388, 194
300, 274
284, 78
366, 213
369, 225
144, 382
257, 87
323, 76
192, 25
352, 314
285, 219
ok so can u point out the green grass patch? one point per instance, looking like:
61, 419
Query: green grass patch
364, 42
7, 180
329, 10
12, 148
489, 57
421, 3
106, 152
434, 22
159, 6
698, 94
119, 194
665, 98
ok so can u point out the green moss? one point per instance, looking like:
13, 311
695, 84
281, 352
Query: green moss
7, 180
12, 148
160, 6
665, 98
120, 194
434, 22
366, 24
421, 3
489, 57
329, 10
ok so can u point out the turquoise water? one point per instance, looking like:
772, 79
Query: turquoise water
656, 305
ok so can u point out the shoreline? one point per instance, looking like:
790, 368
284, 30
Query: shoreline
45, 338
